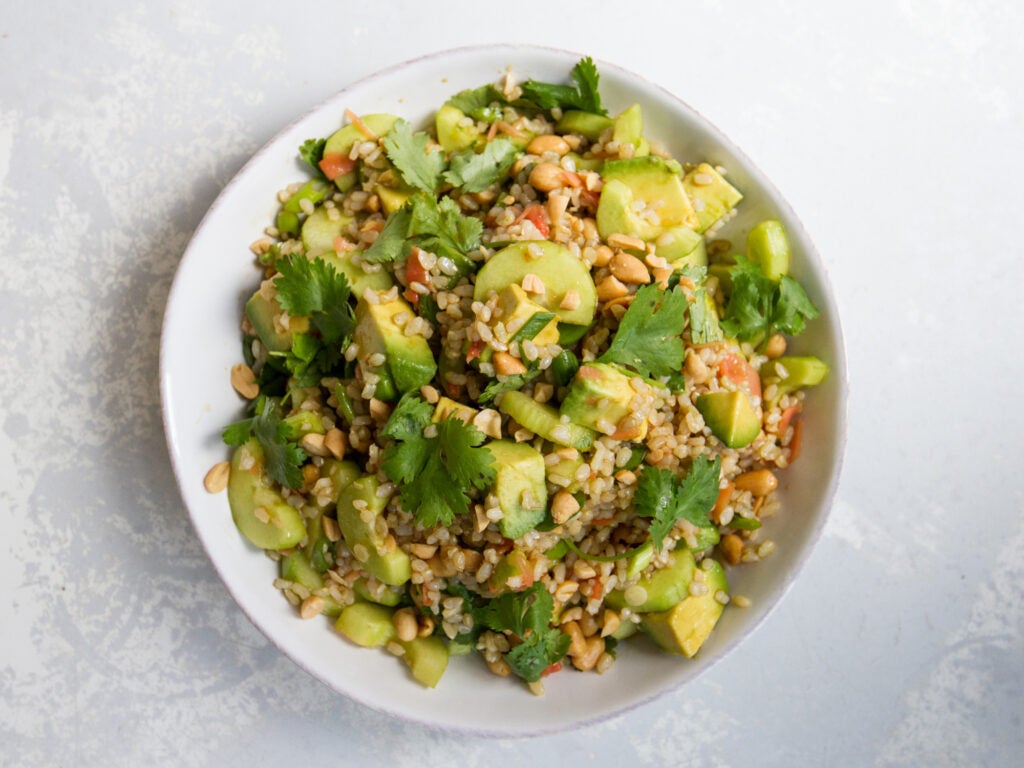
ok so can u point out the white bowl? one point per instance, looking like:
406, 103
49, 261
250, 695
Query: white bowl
201, 341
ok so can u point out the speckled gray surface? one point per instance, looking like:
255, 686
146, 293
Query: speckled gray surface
893, 128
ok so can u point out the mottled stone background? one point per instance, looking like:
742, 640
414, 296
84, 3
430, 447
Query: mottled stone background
893, 127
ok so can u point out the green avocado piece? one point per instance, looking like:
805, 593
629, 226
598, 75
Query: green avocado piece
446, 407
393, 198
261, 312
542, 419
586, 124
647, 182
554, 264
392, 567
563, 474
665, 587
341, 142
712, 195
427, 658
602, 392
511, 573
520, 486
358, 278
366, 624
680, 247
683, 628
249, 491
517, 307
789, 374
768, 246
454, 133
628, 128
730, 416
408, 359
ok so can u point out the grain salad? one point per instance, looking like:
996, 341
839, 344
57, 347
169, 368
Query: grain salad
512, 390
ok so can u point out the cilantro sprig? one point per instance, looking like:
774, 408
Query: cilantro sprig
663, 497
649, 338
759, 307
283, 458
582, 95
420, 166
435, 474
312, 152
471, 171
528, 615
479, 103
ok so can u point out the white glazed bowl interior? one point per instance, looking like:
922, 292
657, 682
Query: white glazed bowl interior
201, 341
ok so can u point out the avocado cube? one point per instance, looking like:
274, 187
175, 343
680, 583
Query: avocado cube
587, 124
427, 658
712, 195
358, 278
407, 359
730, 416
681, 247
768, 247
520, 486
448, 408
683, 628
390, 566
665, 587
518, 309
602, 394
628, 128
260, 513
392, 199
366, 624
653, 184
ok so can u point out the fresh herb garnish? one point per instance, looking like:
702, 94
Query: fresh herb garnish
283, 459
759, 307
479, 103
390, 244
471, 171
664, 498
420, 166
312, 152
435, 474
511, 382
528, 615
649, 338
582, 95
441, 227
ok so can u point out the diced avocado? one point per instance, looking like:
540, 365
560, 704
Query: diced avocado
644, 182
358, 278
519, 309
408, 359
520, 486
730, 416
296, 567
302, 423
454, 132
341, 474
557, 268
768, 246
319, 230
261, 312
427, 658
602, 393
665, 587
366, 624
586, 124
544, 420
563, 474
681, 246
513, 572
712, 195
251, 498
789, 374
628, 128
390, 566
393, 198
447, 407
341, 142
378, 592
684, 628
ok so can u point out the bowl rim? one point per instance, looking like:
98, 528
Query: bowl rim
809, 253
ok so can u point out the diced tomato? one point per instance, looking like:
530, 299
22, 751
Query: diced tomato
556, 667
475, 349
723, 500
787, 418
535, 215
412, 297
415, 272
797, 442
336, 164
737, 370
595, 589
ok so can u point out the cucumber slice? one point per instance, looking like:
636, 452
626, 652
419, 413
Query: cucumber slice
545, 421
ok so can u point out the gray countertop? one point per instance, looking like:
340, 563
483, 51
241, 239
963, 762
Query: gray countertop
893, 128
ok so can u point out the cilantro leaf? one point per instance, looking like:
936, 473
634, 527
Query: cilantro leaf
583, 95
436, 474
528, 615
312, 152
792, 308
473, 172
704, 327
390, 244
419, 166
512, 382
649, 339
539, 651
314, 288
478, 102
661, 496
441, 228
759, 307
283, 458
